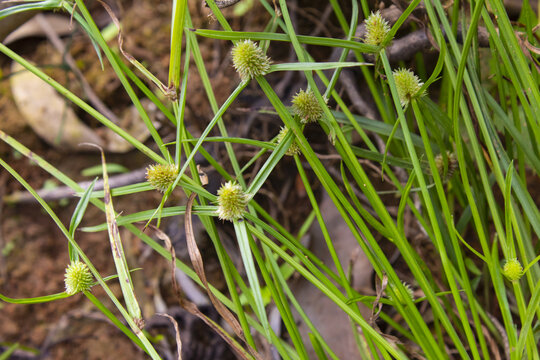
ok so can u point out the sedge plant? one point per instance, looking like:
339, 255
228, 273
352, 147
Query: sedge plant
453, 141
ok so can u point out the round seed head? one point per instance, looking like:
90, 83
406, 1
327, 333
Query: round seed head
306, 106
376, 29
408, 85
232, 201
399, 297
452, 165
161, 176
512, 269
77, 278
293, 149
249, 60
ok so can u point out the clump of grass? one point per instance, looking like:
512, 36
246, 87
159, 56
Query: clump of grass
466, 123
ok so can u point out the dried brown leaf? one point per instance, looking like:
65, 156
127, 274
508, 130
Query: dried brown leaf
191, 307
196, 260
177, 332
377, 304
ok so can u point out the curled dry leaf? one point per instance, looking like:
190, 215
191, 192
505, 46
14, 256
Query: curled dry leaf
51, 117
47, 112
377, 305
191, 307
198, 266
177, 332
527, 48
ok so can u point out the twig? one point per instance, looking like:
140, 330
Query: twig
224, 3
347, 80
405, 48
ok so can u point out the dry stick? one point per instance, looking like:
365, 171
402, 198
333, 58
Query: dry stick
492, 344
405, 48
60, 47
350, 86
502, 332
191, 307
223, 3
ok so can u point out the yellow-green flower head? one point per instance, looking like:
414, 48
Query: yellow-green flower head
399, 296
232, 201
77, 278
452, 164
512, 269
293, 149
306, 106
249, 60
376, 29
161, 176
408, 85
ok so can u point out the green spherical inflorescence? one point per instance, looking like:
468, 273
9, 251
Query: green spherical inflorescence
376, 29
399, 296
77, 278
512, 269
408, 85
232, 201
293, 149
452, 165
249, 60
161, 176
306, 106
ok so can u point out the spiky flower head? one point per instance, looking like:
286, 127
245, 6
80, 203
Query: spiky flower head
77, 278
293, 149
408, 85
512, 269
452, 165
376, 29
249, 60
306, 106
232, 201
161, 176
399, 297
